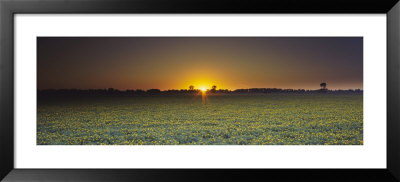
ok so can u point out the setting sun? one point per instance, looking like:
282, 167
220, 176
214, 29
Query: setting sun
202, 90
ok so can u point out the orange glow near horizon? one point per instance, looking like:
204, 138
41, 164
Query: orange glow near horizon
172, 63
200, 83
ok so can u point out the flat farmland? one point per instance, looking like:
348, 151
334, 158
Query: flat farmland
259, 119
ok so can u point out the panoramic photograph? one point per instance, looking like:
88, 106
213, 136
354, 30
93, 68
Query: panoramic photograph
199, 91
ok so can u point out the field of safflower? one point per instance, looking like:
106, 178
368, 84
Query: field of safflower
268, 119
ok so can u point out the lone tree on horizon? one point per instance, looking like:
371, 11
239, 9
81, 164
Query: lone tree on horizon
191, 87
323, 86
214, 87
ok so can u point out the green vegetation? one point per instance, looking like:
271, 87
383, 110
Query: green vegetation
274, 119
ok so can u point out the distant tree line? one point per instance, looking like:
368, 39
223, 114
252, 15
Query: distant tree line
190, 91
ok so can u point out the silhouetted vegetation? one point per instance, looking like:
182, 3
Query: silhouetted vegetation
323, 86
213, 89
190, 91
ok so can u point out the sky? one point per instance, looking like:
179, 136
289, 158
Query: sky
178, 62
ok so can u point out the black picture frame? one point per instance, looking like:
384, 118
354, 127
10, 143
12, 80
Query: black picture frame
9, 8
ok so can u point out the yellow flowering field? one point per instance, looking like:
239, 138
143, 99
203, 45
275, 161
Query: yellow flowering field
265, 119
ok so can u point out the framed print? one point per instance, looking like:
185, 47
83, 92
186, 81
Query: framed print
125, 91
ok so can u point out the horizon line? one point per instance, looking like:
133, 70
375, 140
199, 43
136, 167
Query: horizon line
193, 89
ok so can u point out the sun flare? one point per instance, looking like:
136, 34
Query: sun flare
203, 89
